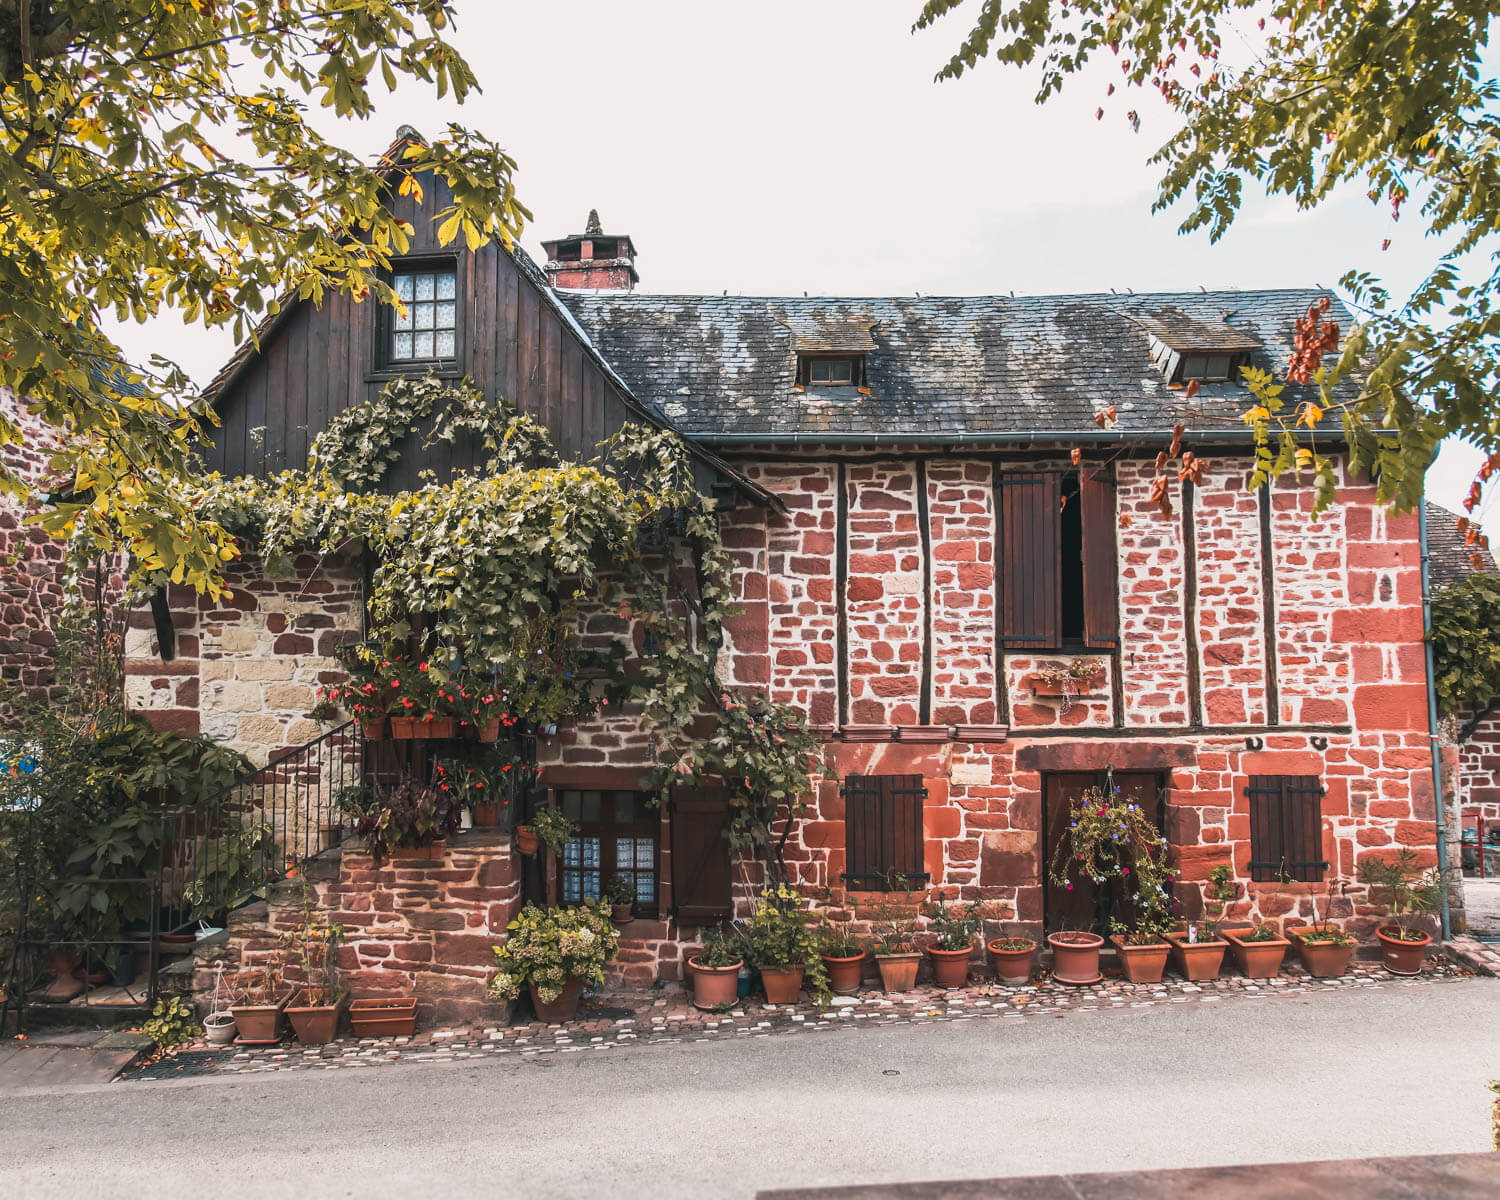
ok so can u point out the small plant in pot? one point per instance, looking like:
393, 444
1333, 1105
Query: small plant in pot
260, 999
956, 927
312, 945
780, 943
1405, 891
715, 970
843, 956
1257, 951
1198, 951
1323, 948
409, 816
553, 953
895, 945
553, 829
1012, 957
620, 892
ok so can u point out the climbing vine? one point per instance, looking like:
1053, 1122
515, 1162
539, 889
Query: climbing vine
1466, 643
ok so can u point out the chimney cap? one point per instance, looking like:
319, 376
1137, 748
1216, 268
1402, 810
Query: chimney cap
593, 227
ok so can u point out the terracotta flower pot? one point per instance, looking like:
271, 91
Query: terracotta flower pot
898, 972
782, 986
1012, 967
1322, 960
526, 839
561, 1010
313, 1024
489, 731
1075, 957
1256, 960
373, 729
384, 1016
438, 728
844, 974
1078, 685
259, 1022
1401, 957
621, 914
1196, 961
404, 729
715, 987
1142, 964
950, 968
486, 816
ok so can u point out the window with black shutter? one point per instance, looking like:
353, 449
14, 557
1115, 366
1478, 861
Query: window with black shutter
883, 832
702, 874
1057, 560
1286, 828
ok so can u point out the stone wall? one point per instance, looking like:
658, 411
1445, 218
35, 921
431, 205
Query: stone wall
1479, 768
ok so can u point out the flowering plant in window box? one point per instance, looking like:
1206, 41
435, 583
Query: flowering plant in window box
554, 953
1079, 677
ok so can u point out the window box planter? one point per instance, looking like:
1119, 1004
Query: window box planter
1321, 959
715, 987
384, 1016
950, 968
844, 974
898, 972
314, 1024
1142, 963
1082, 685
1402, 956
1075, 957
409, 729
1256, 960
486, 816
259, 1024
1012, 962
373, 730
489, 731
431, 852
1197, 961
782, 986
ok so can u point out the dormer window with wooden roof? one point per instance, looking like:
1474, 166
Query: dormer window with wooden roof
827, 370
831, 348
1186, 349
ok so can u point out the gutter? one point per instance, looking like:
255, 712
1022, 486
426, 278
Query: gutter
1439, 807
1196, 437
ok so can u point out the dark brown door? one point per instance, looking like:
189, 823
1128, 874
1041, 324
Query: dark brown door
1083, 906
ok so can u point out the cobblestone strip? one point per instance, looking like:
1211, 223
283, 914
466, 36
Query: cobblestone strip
1471, 953
668, 1016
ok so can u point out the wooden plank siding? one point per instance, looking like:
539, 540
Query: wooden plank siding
319, 361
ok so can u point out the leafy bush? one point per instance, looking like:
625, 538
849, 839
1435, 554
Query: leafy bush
779, 936
171, 1023
544, 947
956, 925
1466, 643
408, 814
1402, 888
553, 828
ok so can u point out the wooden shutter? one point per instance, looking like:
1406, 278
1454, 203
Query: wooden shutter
883, 831
1286, 828
1030, 561
702, 876
1096, 498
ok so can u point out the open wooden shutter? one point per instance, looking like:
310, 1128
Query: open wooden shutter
1096, 498
883, 831
1286, 828
1030, 561
702, 876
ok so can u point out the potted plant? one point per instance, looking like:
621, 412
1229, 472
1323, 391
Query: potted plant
313, 944
1256, 951
715, 971
780, 943
1140, 938
1404, 890
1198, 951
1111, 843
411, 817
620, 892
1323, 948
360, 696
1012, 958
527, 841
260, 999
553, 829
895, 944
956, 927
553, 953
843, 957
1081, 675
383, 1016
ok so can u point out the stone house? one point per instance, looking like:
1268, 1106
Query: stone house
918, 553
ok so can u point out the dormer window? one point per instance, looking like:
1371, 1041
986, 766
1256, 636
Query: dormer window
827, 370
1187, 349
1210, 368
428, 330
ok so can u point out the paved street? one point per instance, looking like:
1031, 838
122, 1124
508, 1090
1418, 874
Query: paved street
1398, 1070
1482, 900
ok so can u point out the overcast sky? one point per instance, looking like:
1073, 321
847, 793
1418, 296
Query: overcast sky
784, 146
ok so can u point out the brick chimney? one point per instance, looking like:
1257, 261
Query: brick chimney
592, 260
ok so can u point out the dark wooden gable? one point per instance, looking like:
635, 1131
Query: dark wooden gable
314, 362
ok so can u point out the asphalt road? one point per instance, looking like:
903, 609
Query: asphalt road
1366, 1072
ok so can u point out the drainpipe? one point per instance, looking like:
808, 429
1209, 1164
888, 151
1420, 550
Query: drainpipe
1432, 722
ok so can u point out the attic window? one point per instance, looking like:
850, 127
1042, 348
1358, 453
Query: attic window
824, 370
1209, 368
428, 329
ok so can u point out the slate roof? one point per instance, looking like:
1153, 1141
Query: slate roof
1447, 556
723, 368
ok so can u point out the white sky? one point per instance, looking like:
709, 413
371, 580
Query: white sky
785, 146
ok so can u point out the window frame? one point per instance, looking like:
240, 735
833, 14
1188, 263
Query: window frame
387, 367
856, 370
648, 825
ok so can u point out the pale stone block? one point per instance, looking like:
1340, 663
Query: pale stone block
971, 774
902, 583
273, 667
293, 697
240, 697
260, 730
238, 641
